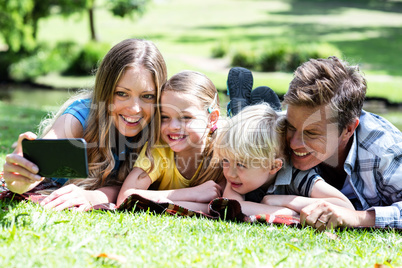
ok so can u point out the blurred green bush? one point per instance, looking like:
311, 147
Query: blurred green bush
66, 57
6, 60
87, 60
220, 50
43, 60
278, 57
244, 58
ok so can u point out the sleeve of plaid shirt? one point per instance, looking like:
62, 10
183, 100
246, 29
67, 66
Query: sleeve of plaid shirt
388, 216
378, 169
388, 181
389, 185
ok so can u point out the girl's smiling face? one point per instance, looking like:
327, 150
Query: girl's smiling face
185, 123
134, 101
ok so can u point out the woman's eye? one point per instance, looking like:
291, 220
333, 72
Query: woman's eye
186, 118
164, 117
149, 96
121, 93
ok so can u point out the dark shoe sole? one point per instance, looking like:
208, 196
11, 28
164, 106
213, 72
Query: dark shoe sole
266, 94
239, 86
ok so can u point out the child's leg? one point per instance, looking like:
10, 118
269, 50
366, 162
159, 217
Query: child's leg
239, 86
266, 94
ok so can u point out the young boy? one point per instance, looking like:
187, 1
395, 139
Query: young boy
258, 175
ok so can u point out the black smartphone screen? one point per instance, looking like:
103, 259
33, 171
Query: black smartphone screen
62, 158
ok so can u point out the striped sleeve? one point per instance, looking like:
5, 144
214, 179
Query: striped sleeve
303, 182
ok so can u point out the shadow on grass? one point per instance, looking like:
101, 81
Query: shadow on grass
377, 48
324, 7
378, 53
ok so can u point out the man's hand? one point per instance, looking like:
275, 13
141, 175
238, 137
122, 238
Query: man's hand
323, 215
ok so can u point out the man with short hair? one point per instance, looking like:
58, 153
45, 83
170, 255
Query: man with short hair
357, 152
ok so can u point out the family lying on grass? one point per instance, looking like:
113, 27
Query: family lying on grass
324, 159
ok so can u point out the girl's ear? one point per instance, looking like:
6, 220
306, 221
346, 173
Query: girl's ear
213, 117
276, 166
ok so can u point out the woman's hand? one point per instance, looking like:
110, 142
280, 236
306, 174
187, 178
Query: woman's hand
20, 174
72, 196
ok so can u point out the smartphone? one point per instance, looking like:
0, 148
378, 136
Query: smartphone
62, 158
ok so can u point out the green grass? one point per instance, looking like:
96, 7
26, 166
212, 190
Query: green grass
34, 237
368, 34
70, 239
15, 120
185, 31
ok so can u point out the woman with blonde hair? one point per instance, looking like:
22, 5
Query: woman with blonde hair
115, 118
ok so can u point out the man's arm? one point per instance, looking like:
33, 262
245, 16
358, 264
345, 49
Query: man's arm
323, 215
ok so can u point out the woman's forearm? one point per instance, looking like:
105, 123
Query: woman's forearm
154, 195
107, 194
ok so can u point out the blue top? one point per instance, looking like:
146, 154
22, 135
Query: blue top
80, 109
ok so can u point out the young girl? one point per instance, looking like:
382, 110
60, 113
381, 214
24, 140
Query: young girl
182, 159
251, 150
115, 119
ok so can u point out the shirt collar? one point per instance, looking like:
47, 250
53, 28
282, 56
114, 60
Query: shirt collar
283, 177
352, 155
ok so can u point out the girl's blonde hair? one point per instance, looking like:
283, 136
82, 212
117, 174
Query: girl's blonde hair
197, 84
255, 136
100, 130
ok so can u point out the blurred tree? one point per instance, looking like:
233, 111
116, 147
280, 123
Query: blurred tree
19, 18
15, 24
119, 8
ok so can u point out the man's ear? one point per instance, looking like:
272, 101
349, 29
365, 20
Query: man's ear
213, 118
278, 163
350, 129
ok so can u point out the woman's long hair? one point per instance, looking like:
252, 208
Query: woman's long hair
100, 132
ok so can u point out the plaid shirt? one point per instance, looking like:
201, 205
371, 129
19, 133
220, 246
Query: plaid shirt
374, 168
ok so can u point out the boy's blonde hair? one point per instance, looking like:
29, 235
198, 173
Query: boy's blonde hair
254, 136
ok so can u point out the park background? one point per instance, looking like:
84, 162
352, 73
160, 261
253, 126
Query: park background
269, 37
